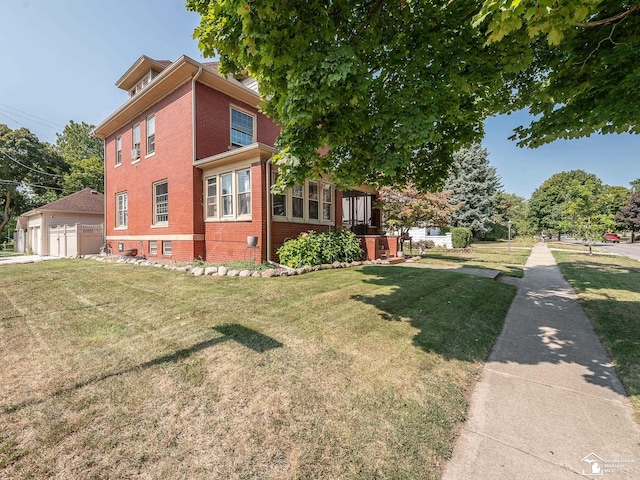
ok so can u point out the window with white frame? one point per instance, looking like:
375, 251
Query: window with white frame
161, 203
122, 210
167, 248
136, 140
327, 202
212, 197
118, 150
244, 192
226, 182
153, 247
297, 201
241, 128
278, 201
312, 202
229, 195
151, 134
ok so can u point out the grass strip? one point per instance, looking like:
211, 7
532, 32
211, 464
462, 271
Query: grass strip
609, 291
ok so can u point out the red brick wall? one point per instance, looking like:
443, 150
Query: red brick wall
172, 161
214, 122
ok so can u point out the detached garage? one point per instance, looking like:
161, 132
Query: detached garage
72, 225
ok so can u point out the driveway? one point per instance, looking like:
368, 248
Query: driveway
24, 259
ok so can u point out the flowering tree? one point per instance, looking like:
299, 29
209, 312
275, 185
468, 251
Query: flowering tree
409, 207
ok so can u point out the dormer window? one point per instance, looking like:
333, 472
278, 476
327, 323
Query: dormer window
144, 81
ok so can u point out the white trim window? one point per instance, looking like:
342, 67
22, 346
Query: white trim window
312, 202
135, 137
312, 193
229, 195
167, 247
212, 197
153, 247
241, 128
151, 134
278, 201
297, 201
161, 203
122, 210
327, 202
118, 150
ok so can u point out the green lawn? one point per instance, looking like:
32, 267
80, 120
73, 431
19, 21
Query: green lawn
609, 291
491, 256
117, 371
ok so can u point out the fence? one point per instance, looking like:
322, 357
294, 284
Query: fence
72, 240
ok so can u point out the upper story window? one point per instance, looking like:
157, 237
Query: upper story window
229, 195
144, 81
161, 203
313, 200
118, 150
241, 128
151, 134
135, 145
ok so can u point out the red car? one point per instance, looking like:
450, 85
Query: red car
611, 237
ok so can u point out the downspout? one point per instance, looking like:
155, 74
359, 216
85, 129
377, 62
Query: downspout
193, 113
267, 181
104, 186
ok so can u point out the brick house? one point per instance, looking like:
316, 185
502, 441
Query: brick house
188, 172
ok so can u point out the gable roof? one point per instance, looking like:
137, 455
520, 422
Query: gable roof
84, 201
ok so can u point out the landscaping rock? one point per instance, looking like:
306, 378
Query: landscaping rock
233, 273
245, 273
197, 272
210, 270
307, 269
222, 271
256, 274
181, 269
336, 265
268, 273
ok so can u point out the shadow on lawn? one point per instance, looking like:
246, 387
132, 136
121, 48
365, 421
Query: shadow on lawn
247, 337
459, 318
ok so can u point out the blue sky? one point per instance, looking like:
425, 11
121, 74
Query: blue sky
61, 59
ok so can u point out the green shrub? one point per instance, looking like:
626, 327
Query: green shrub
314, 248
461, 237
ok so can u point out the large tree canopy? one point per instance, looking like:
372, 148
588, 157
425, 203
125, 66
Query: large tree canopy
28, 170
393, 88
85, 155
584, 65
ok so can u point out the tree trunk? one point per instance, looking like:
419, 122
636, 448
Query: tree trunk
6, 214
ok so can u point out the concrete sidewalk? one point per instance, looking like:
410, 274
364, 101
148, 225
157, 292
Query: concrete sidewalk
549, 404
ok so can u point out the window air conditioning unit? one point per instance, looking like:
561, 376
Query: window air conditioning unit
135, 153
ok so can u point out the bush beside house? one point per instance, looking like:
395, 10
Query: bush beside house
313, 248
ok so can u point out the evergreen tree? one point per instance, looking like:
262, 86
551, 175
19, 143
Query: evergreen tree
474, 182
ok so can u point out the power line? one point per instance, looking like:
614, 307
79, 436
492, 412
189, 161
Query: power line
30, 129
16, 182
51, 124
31, 168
